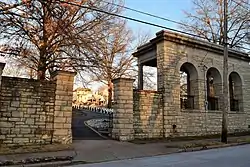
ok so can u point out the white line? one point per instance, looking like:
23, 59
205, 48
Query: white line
85, 123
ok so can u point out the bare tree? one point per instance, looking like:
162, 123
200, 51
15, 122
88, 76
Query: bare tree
15, 69
149, 78
49, 35
114, 58
207, 21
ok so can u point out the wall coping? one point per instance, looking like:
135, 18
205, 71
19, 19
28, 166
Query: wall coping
189, 41
61, 72
26, 79
147, 91
122, 79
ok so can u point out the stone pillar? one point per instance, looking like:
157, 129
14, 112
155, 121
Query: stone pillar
169, 84
140, 77
63, 106
123, 110
202, 95
194, 91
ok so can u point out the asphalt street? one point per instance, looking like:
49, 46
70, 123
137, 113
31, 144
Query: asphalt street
79, 130
224, 157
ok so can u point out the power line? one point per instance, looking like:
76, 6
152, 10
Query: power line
132, 19
144, 22
139, 21
166, 19
162, 18
159, 17
148, 14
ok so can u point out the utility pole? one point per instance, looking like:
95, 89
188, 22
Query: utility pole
225, 79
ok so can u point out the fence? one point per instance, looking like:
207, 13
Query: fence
187, 102
95, 109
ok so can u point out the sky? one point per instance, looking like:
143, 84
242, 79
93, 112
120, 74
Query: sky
170, 9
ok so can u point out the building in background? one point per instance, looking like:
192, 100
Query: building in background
85, 96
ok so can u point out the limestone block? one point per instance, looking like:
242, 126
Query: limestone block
25, 130
60, 120
59, 125
67, 126
61, 132
21, 140
4, 124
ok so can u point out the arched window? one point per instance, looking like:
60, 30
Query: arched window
235, 92
214, 89
188, 86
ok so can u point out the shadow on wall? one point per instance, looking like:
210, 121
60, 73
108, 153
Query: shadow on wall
148, 118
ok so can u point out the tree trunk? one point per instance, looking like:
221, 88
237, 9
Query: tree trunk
110, 93
41, 72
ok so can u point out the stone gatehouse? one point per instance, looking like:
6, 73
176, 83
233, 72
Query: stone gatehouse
173, 111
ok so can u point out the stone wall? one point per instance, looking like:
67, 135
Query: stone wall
197, 123
27, 108
34, 112
148, 119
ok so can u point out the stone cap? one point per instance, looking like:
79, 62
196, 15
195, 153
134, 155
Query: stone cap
123, 79
147, 91
188, 41
61, 72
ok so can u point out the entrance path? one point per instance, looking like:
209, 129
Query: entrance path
79, 130
106, 150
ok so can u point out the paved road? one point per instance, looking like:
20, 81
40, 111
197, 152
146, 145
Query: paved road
225, 157
79, 130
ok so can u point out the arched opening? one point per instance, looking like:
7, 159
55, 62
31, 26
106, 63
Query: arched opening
214, 89
188, 86
235, 92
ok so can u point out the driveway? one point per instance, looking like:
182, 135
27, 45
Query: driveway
223, 157
79, 130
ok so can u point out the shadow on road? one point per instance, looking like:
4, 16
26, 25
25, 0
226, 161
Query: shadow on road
79, 130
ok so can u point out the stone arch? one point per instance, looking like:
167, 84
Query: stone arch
235, 92
214, 89
191, 61
189, 89
238, 72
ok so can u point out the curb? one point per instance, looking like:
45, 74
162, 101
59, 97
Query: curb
34, 162
212, 147
104, 137
48, 164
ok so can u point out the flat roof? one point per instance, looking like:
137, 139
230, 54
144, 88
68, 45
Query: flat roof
191, 42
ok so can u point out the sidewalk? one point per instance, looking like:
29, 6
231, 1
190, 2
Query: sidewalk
107, 150
94, 151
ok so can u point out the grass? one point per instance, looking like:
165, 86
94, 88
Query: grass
34, 148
